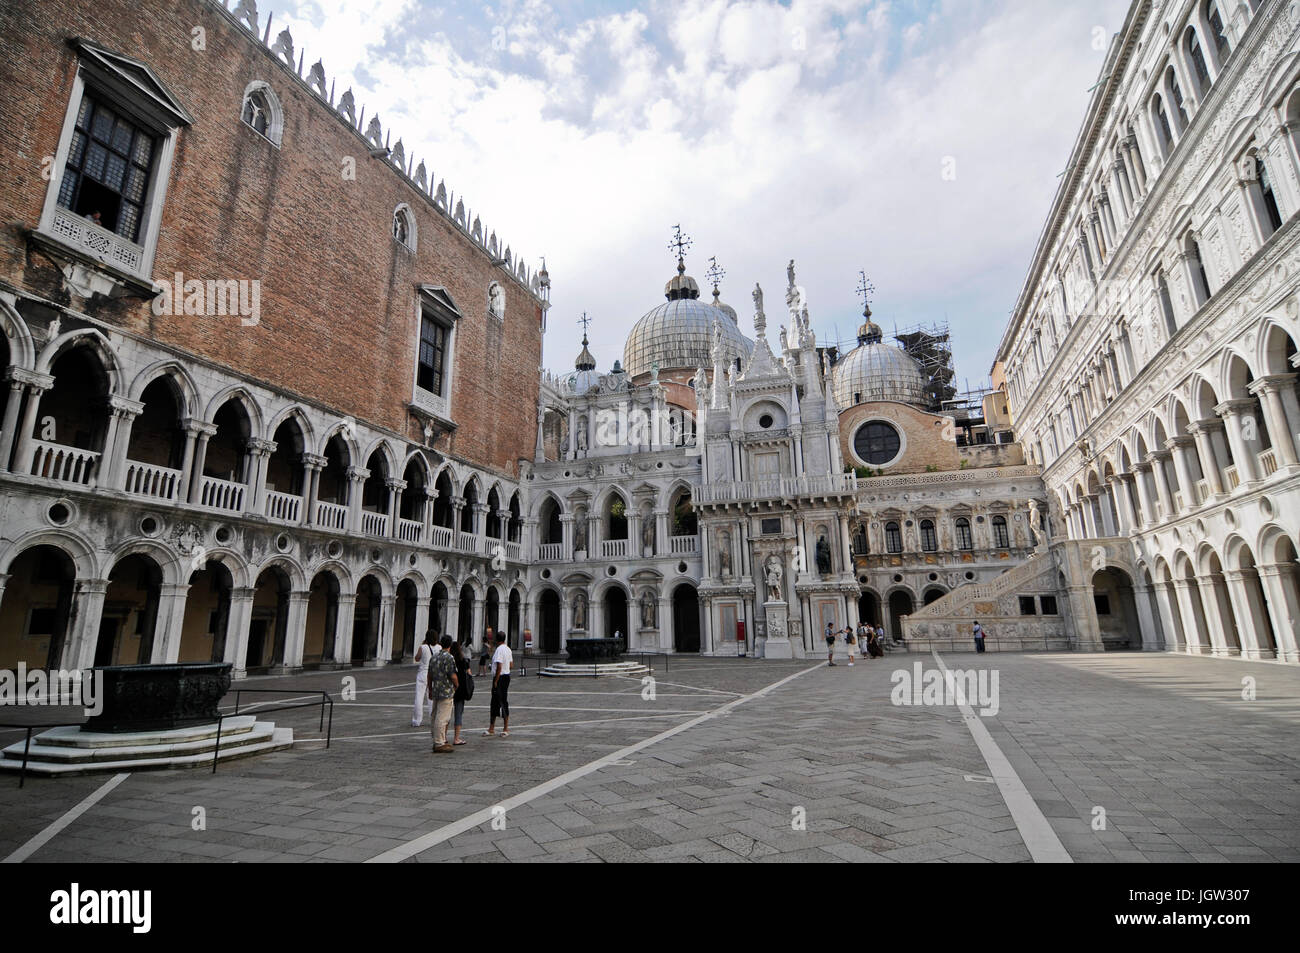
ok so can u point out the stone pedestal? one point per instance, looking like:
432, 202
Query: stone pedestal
777, 643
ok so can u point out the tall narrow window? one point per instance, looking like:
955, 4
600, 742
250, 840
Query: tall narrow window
1272, 215
1196, 272
1166, 303
893, 537
433, 355
1164, 133
1196, 55
1217, 33
929, 541
964, 541
1000, 538
1176, 98
106, 178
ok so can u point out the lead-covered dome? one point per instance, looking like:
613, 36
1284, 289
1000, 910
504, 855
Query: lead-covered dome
678, 334
876, 371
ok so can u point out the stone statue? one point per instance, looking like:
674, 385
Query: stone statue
789, 275
772, 577
758, 298
580, 533
582, 436
1035, 536
580, 610
823, 556
316, 78
724, 554
374, 133
647, 610
348, 106
648, 531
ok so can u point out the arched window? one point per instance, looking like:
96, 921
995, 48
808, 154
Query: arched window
1196, 271
1166, 303
1164, 134
261, 111
1217, 32
1000, 538
893, 537
860, 545
929, 541
964, 540
404, 226
1176, 98
1200, 72
1271, 219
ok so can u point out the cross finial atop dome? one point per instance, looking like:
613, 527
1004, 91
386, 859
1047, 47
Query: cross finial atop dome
679, 244
715, 274
868, 332
585, 361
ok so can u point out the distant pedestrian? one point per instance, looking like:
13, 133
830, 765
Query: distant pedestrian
830, 644
442, 689
875, 642
978, 631
502, 661
850, 643
462, 690
427, 650
880, 637
485, 652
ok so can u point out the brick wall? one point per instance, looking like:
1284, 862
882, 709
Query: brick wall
338, 299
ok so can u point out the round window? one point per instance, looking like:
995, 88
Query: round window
877, 443
765, 421
59, 513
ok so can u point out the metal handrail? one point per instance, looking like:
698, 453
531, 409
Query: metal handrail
27, 743
324, 700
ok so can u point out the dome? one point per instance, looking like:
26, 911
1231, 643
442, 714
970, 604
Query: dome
877, 371
679, 333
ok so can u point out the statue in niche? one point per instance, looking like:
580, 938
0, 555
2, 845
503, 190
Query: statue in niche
724, 554
580, 533
823, 556
1035, 535
580, 610
647, 610
772, 573
648, 530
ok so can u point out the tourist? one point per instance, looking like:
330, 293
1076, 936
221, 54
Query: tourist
850, 643
979, 637
880, 637
875, 642
830, 644
485, 652
462, 690
443, 683
427, 650
502, 661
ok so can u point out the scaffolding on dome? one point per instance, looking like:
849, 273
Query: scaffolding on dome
929, 346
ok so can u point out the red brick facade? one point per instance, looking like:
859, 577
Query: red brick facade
338, 322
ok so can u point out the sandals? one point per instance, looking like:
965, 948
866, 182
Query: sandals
458, 742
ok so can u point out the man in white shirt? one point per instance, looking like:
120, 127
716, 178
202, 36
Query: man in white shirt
502, 662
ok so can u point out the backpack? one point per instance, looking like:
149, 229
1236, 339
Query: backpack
469, 684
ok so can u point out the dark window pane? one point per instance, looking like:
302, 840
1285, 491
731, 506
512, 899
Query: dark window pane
96, 159
136, 181
83, 113
1049, 605
122, 133
78, 150
114, 170
68, 188
101, 126
128, 222
876, 443
1027, 605
143, 150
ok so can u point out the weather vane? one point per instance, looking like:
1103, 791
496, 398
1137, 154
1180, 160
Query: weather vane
865, 290
715, 273
679, 243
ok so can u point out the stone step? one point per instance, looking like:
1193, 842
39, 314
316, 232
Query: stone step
602, 669
72, 736
65, 760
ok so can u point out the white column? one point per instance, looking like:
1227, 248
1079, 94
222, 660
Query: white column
295, 629
1283, 608
241, 614
168, 623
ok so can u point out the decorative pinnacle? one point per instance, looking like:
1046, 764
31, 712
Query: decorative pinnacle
715, 273
679, 244
584, 321
865, 290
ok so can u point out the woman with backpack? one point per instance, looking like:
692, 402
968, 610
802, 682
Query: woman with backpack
423, 704
464, 690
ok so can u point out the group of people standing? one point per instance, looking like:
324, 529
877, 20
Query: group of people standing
871, 641
443, 684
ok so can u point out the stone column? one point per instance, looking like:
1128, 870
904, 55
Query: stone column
295, 629
205, 432
10, 424
1248, 607
1090, 515
421, 621
384, 642
1166, 602
112, 472
241, 615
260, 450
476, 629
343, 626
1283, 609
426, 517
846, 547
313, 464
1189, 607
1213, 616
83, 629
357, 477
1271, 391
1243, 451
1181, 448
1201, 431
1146, 621
395, 488
1149, 516
1164, 495
168, 624
37, 385
453, 615
1083, 609
1123, 502
566, 532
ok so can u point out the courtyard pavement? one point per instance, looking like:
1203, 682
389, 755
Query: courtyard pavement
732, 760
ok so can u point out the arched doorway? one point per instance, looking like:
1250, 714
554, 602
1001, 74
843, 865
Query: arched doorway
932, 594
869, 608
686, 619
512, 620
1116, 607
366, 621
1215, 590
437, 610
492, 611
36, 607
126, 627
270, 620
615, 613
901, 603
404, 621
465, 616
322, 619
207, 614
548, 621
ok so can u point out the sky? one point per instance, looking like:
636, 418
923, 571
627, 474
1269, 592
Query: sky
920, 141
